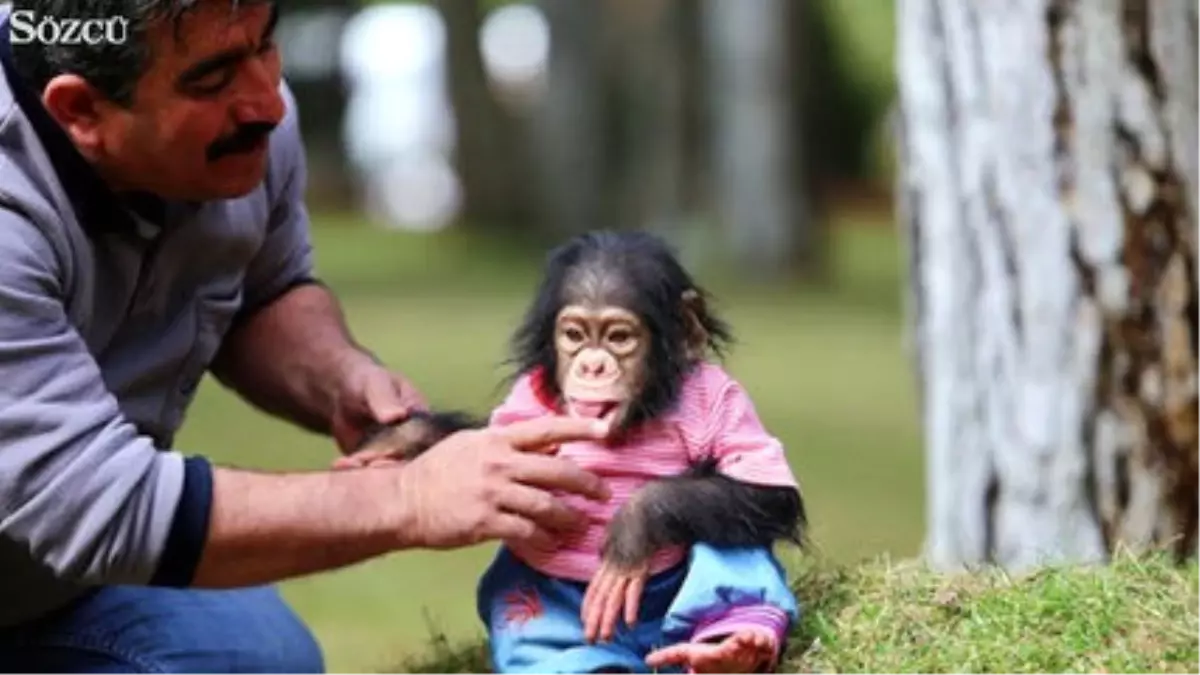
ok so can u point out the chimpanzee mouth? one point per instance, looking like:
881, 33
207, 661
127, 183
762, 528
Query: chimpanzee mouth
601, 410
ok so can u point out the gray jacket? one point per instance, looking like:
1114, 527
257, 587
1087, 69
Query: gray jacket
109, 319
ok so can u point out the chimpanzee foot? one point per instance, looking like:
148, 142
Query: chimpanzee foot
747, 651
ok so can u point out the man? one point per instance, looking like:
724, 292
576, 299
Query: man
152, 229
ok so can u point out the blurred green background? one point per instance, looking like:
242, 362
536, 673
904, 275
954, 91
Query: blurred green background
820, 340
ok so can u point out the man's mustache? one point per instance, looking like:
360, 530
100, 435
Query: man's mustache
246, 138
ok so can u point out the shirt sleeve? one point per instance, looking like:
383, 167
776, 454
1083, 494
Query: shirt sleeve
285, 259
768, 619
81, 491
743, 448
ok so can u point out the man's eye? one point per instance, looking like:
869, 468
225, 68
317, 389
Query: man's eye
213, 82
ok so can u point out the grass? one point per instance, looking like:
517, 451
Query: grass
1137, 615
826, 370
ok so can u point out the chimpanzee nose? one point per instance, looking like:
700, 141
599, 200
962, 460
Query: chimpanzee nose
592, 365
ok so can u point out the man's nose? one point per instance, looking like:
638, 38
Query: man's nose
259, 99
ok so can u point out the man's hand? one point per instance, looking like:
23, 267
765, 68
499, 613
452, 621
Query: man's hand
497, 483
612, 588
366, 458
474, 486
370, 394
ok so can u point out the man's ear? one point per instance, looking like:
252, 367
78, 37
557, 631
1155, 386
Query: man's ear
697, 336
77, 107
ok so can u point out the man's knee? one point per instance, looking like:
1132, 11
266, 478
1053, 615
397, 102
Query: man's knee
171, 630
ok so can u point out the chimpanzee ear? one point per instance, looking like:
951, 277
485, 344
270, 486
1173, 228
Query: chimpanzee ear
697, 336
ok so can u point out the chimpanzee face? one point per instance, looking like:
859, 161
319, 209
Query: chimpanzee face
615, 327
601, 353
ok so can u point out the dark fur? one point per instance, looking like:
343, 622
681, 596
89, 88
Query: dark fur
703, 505
419, 431
641, 273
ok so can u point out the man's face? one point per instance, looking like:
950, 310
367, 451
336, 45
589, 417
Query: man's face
196, 129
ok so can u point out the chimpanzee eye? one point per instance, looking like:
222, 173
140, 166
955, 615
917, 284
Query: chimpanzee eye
619, 337
573, 334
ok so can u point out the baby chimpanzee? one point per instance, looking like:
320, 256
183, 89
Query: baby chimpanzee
701, 491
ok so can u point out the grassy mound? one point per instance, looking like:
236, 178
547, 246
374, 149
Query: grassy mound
1135, 615
1138, 614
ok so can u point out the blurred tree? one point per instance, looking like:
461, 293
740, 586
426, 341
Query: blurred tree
619, 131
492, 154
1049, 191
624, 136
693, 92
309, 32
844, 100
758, 167
569, 123
644, 55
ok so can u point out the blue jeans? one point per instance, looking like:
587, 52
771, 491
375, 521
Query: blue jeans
128, 629
533, 620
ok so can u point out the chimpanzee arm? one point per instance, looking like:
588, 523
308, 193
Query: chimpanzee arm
739, 492
703, 505
417, 432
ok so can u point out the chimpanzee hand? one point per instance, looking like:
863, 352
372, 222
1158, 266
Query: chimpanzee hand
613, 586
626, 556
408, 438
370, 394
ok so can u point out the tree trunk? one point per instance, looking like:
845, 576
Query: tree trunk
569, 126
645, 54
490, 153
695, 135
308, 35
1048, 193
757, 171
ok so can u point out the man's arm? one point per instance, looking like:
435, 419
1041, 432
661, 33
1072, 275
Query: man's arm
91, 498
289, 344
288, 357
267, 527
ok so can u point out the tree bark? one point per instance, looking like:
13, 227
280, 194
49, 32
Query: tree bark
1048, 150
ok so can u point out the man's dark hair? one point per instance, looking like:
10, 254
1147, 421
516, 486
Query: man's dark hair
114, 69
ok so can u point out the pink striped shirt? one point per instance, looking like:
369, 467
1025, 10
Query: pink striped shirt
713, 418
